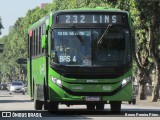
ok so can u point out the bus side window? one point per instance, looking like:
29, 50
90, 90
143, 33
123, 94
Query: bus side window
33, 44
40, 34
43, 33
37, 42
28, 46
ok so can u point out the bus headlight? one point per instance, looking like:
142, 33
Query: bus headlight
57, 81
125, 81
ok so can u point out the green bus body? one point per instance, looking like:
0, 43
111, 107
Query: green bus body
51, 85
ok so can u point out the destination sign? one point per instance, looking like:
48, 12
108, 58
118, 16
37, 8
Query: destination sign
90, 18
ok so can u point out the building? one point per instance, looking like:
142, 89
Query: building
42, 5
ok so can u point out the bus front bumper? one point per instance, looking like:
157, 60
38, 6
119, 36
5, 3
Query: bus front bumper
61, 94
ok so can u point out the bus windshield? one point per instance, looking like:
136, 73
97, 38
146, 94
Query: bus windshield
112, 50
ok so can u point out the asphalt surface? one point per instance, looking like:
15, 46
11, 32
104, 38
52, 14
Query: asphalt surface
19, 104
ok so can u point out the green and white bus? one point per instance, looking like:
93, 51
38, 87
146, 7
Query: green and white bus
81, 57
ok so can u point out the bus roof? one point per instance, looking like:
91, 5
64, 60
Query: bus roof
42, 20
100, 9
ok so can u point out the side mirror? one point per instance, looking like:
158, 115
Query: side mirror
43, 45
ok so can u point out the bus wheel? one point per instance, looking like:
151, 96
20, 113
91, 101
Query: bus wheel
115, 106
53, 106
38, 104
90, 106
100, 106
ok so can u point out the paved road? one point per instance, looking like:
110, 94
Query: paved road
18, 102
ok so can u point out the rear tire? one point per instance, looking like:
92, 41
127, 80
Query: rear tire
37, 103
115, 106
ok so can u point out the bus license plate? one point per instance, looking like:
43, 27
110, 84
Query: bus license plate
92, 98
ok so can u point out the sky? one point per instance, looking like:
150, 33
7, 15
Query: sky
11, 10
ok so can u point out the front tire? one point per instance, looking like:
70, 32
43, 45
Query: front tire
53, 106
90, 106
115, 106
38, 104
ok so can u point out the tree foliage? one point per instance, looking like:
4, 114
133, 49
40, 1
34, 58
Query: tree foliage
15, 43
1, 26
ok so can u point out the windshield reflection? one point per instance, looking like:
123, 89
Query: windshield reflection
67, 49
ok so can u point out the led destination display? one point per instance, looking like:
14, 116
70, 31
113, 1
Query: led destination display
90, 18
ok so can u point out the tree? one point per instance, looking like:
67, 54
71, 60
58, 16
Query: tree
150, 21
1, 26
144, 68
142, 53
154, 38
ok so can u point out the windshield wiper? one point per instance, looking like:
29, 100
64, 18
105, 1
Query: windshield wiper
104, 33
78, 35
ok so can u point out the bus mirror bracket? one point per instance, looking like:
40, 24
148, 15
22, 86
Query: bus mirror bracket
43, 41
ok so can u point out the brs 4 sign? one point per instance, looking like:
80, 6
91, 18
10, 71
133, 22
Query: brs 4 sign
67, 59
64, 58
